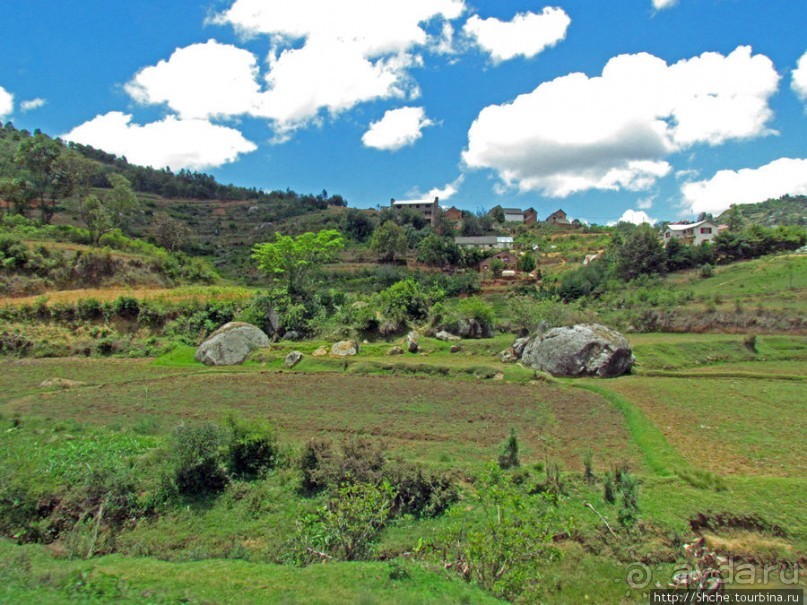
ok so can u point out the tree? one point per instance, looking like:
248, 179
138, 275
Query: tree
437, 251
170, 233
37, 156
734, 218
103, 214
527, 263
642, 253
293, 261
497, 214
358, 225
389, 242
19, 192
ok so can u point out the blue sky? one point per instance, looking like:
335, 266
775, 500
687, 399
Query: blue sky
634, 109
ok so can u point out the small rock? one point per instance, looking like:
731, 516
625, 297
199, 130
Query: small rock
412, 342
446, 336
519, 345
320, 352
292, 335
345, 348
499, 376
395, 351
455, 348
292, 359
62, 383
508, 356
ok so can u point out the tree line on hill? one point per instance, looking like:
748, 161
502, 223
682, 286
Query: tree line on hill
640, 252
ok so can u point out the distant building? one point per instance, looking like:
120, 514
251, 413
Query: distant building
485, 242
530, 216
558, 218
453, 214
513, 215
509, 260
691, 233
425, 207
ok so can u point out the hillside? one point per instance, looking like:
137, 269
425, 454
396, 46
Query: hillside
787, 210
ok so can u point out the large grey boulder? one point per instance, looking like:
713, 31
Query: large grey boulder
580, 350
473, 328
446, 336
230, 344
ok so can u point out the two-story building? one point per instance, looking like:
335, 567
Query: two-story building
691, 233
425, 207
500, 242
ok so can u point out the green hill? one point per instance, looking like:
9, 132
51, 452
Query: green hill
787, 210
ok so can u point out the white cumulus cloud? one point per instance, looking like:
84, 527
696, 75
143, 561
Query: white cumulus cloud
194, 144
200, 81
615, 131
662, 4
398, 128
526, 35
636, 217
799, 82
447, 191
329, 56
6, 103
32, 104
747, 186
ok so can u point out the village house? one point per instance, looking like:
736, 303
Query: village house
453, 214
516, 215
558, 218
508, 259
691, 233
485, 242
424, 207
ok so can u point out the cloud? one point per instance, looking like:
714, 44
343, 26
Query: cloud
645, 203
615, 131
447, 191
662, 4
6, 103
194, 144
32, 104
326, 56
398, 128
635, 217
201, 81
526, 35
747, 186
799, 82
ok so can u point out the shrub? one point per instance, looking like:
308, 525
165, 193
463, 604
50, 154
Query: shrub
252, 449
195, 460
707, 270
316, 456
629, 511
609, 489
346, 527
509, 455
588, 463
420, 493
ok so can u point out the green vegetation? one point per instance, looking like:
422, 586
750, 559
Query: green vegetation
405, 474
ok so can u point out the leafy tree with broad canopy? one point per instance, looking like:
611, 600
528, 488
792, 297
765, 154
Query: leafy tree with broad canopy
293, 261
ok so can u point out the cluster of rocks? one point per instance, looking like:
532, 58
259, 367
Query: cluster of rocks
579, 350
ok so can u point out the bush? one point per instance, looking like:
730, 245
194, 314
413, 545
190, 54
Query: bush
420, 493
346, 527
317, 455
707, 270
252, 449
195, 465
509, 456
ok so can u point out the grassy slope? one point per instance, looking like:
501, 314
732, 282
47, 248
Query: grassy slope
453, 421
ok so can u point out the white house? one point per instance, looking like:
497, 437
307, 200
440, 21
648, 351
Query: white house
485, 242
691, 233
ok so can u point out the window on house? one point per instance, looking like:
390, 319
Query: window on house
706, 229
667, 235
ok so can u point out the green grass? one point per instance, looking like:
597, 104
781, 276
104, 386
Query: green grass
123, 580
727, 425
